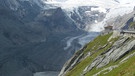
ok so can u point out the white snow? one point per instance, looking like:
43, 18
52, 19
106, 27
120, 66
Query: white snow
100, 9
96, 14
119, 10
76, 10
76, 3
96, 21
116, 9
70, 4
97, 27
126, 1
87, 11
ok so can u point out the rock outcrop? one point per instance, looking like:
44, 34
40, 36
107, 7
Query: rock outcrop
118, 50
100, 57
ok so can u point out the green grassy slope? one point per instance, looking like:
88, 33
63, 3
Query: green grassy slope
97, 47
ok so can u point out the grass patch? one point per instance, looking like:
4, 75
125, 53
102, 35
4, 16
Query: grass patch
125, 69
98, 42
77, 70
94, 47
94, 70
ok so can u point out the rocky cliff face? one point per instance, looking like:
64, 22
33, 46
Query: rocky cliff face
31, 37
111, 54
101, 59
85, 16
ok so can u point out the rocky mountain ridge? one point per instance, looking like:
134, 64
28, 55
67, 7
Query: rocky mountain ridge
28, 36
33, 35
107, 55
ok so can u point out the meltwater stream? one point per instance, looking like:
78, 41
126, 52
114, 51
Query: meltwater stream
47, 73
81, 39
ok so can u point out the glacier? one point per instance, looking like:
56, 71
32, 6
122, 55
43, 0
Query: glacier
112, 8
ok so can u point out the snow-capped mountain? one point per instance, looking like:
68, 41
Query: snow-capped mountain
31, 37
85, 16
110, 9
39, 35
